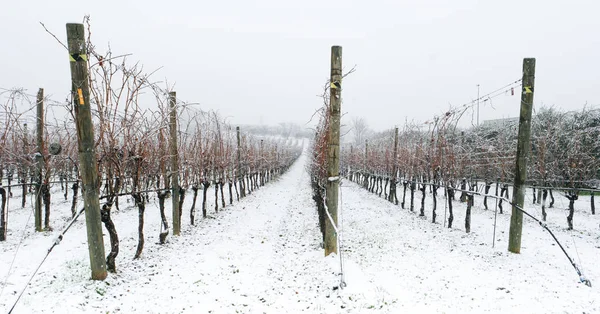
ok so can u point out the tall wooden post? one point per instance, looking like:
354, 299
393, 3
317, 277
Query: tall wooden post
174, 163
333, 150
163, 154
39, 159
23, 174
394, 167
523, 145
239, 162
87, 152
366, 154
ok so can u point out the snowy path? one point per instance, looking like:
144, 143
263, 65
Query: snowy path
263, 255
259, 255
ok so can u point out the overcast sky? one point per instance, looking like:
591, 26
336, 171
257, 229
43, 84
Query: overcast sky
265, 61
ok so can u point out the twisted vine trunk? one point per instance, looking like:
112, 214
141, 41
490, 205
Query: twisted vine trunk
413, 187
221, 184
230, 193
24, 195
162, 237
544, 196
216, 197
46, 198
141, 205
193, 208
433, 214
404, 184
572, 197
423, 188
468, 214
450, 192
114, 238
206, 184
3, 215
181, 199
74, 202
488, 185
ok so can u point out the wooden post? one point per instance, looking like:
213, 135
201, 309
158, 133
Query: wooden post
162, 161
39, 159
261, 169
523, 145
239, 176
365, 174
333, 150
87, 152
394, 167
174, 163
23, 174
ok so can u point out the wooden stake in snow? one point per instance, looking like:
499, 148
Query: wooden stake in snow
87, 151
523, 145
174, 162
39, 160
333, 149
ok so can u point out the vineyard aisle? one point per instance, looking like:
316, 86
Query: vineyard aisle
262, 254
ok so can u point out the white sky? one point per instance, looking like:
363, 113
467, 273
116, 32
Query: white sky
265, 61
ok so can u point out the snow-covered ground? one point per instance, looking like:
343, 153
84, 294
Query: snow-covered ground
263, 255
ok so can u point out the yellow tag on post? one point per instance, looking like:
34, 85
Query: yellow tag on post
80, 92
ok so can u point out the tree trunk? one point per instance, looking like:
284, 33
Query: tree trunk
544, 196
572, 198
413, 187
237, 194
139, 202
216, 197
46, 198
385, 194
74, 202
534, 195
206, 184
3, 215
433, 214
24, 196
222, 196
551, 199
593, 206
423, 188
192, 210
450, 192
114, 238
404, 184
229, 184
488, 185
181, 199
468, 214
165, 224
463, 187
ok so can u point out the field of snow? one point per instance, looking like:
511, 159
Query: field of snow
263, 255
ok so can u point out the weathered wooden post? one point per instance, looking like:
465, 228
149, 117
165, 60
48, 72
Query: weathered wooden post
333, 150
523, 145
87, 151
239, 176
174, 163
365, 174
392, 195
23, 174
39, 159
